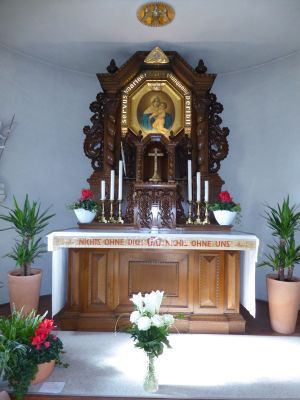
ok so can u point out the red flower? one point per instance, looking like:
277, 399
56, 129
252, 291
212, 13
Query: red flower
86, 194
47, 344
42, 332
225, 197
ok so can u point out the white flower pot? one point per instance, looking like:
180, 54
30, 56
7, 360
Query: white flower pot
225, 217
85, 216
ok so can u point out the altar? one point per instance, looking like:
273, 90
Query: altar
205, 277
156, 145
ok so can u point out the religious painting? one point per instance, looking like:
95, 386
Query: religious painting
156, 106
156, 113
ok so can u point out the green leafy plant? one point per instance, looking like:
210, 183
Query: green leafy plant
86, 202
283, 221
25, 342
28, 221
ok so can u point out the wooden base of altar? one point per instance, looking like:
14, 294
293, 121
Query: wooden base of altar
201, 286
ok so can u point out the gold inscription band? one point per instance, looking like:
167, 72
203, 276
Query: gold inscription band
153, 242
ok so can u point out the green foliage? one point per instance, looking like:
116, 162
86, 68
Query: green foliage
218, 205
28, 221
152, 340
89, 205
284, 221
19, 327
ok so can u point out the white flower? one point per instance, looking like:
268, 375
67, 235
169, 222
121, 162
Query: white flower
157, 320
137, 299
134, 316
153, 301
144, 323
168, 319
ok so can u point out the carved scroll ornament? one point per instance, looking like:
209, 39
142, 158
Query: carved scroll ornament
217, 138
94, 141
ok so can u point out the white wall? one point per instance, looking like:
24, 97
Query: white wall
44, 154
261, 108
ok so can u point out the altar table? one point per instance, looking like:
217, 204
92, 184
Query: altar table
204, 275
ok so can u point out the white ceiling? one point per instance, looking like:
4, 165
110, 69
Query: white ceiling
83, 35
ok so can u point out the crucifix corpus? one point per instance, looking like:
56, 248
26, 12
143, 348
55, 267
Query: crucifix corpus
155, 154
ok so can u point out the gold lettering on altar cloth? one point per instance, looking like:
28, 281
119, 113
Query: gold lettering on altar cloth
153, 242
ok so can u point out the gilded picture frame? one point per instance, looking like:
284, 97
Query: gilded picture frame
156, 106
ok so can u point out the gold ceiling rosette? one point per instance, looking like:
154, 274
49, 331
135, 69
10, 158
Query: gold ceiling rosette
155, 14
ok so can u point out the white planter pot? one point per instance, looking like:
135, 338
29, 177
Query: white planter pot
225, 217
84, 216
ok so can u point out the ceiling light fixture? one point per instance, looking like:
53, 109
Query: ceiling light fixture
155, 14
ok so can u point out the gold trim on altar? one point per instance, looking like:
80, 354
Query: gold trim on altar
153, 242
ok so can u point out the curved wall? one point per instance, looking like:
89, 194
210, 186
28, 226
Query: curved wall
44, 154
261, 108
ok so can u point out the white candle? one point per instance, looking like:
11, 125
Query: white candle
198, 179
120, 180
206, 191
102, 190
189, 180
112, 184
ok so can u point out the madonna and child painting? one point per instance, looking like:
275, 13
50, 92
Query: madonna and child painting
156, 113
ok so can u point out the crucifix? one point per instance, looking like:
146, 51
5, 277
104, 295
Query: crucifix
155, 154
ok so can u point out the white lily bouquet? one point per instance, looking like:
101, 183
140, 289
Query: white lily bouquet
150, 330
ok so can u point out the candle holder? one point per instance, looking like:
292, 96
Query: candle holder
120, 220
111, 218
102, 216
206, 220
198, 219
189, 220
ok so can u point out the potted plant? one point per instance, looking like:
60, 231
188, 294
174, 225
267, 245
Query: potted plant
28, 350
282, 287
28, 221
225, 209
85, 207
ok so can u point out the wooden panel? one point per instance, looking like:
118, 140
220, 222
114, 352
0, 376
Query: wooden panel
143, 271
203, 285
232, 279
95, 285
209, 283
159, 271
74, 279
97, 290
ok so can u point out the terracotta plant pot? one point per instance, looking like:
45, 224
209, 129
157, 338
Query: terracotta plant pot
24, 291
44, 371
284, 299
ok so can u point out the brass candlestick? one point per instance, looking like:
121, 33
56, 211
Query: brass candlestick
102, 217
198, 219
120, 220
111, 218
206, 220
189, 220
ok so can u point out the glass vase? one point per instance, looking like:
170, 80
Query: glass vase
150, 381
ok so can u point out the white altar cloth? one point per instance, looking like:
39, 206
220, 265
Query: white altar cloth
58, 242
